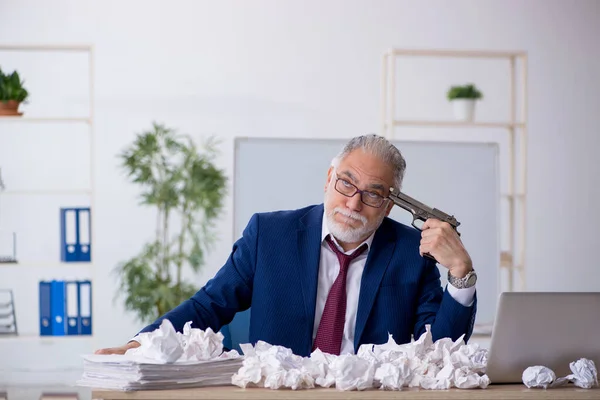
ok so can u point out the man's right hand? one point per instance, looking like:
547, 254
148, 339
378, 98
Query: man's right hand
118, 350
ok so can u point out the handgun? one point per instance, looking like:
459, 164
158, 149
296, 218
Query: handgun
421, 212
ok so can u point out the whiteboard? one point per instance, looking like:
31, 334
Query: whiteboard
461, 179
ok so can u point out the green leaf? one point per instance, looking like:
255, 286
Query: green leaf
12, 87
468, 91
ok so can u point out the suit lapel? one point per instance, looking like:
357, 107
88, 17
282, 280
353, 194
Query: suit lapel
378, 260
309, 253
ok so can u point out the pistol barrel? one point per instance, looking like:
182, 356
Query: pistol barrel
420, 210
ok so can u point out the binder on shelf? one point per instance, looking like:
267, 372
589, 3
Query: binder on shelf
65, 308
45, 308
57, 308
85, 307
72, 300
75, 227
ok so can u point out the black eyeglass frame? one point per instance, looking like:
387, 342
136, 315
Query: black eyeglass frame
357, 190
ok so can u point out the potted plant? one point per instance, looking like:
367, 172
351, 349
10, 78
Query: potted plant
186, 189
463, 100
12, 93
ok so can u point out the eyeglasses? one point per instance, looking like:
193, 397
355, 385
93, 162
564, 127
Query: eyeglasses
349, 190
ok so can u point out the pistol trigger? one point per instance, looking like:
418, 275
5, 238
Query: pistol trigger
420, 221
415, 225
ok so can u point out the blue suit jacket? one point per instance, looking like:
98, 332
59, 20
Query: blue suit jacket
274, 266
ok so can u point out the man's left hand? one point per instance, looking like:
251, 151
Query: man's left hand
441, 241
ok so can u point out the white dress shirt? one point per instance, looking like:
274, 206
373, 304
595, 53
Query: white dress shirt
329, 269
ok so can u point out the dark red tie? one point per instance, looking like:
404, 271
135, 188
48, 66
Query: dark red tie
331, 328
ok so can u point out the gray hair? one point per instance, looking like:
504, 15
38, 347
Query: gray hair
379, 147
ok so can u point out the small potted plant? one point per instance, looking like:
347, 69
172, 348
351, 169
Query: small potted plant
463, 100
12, 93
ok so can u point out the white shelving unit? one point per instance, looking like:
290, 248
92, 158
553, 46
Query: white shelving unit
516, 129
29, 349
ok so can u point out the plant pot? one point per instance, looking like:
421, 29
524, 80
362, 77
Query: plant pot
464, 109
10, 107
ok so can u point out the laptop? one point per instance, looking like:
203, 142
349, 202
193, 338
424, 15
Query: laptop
551, 329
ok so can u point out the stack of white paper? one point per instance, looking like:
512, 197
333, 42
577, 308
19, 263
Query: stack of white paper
123, 372
165, 359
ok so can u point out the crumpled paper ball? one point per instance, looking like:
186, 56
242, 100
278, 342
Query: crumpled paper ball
162, 344
166, 345
538, 376
584, 374
200, 345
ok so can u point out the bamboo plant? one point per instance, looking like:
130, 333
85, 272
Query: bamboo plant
186, 189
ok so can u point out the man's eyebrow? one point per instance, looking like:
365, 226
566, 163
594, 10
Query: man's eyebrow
376, 186
349, 175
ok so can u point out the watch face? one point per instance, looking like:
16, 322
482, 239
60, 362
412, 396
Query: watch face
472, 279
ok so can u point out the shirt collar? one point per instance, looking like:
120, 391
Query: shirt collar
325, 232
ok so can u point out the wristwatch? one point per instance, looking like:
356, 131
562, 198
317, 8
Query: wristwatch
465, 282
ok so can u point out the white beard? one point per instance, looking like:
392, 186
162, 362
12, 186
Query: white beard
344, 232
347, 233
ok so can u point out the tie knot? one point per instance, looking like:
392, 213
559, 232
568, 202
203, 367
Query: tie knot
345, 259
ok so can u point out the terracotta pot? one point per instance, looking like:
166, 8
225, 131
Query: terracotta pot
11, 107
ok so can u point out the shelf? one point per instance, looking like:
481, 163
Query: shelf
44, 339
29, 353
32, 352
47, 270
459, 124
47, 192
457, 53
44, 47
43, 375
7, 118
47, 264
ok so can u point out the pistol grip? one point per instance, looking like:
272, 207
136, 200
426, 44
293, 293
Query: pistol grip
430, 257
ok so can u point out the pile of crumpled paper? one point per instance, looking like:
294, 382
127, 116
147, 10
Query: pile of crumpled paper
422, 363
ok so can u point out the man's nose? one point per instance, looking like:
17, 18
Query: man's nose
354, 203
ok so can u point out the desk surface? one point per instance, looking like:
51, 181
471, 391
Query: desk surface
508, 392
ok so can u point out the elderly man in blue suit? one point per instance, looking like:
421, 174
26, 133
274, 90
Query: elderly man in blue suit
340, 274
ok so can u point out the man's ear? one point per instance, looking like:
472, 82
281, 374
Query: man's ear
389, 208
329, 176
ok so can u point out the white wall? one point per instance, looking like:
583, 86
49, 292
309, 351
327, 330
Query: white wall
312, 69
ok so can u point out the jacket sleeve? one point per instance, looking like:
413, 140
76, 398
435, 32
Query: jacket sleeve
436, 307
228, 292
